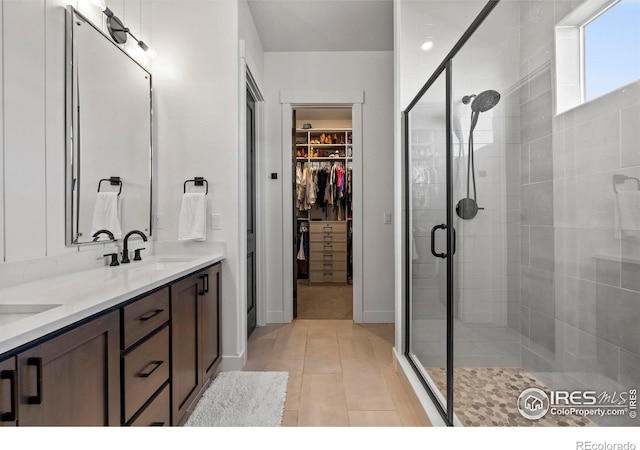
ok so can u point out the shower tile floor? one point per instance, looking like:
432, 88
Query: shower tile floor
487, 396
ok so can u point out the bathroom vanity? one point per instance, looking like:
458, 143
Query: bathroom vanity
130, 345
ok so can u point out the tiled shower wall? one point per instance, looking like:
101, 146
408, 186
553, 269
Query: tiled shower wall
580, 292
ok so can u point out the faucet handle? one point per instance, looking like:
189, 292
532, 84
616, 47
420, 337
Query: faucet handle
137, 254
114, 259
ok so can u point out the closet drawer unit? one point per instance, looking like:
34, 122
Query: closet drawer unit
145, 315
156, 413
327, 247
320, 276
145, 369
328, 227
328, 237
326, 267
327, 256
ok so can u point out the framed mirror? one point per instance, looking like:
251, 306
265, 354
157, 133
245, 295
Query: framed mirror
109, 137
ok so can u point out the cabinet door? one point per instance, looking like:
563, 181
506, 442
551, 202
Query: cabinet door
185, 359
8, 393
74, 378
209, 320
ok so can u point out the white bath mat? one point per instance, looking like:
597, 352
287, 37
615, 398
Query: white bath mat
242, 399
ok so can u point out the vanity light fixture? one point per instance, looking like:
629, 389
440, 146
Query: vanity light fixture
117, 29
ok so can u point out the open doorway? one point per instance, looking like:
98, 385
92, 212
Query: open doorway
323, 212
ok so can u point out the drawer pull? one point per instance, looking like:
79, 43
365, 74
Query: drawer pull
36, 399
156, 424
146, 373
150, 314
11, 376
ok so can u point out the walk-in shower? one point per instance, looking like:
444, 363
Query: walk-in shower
467, 208
541, 288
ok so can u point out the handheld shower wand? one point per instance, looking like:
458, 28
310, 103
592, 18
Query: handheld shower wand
467, 208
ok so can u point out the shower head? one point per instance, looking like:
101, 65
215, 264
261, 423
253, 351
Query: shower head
484, 101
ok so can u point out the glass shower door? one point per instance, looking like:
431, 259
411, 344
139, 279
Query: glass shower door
426, 183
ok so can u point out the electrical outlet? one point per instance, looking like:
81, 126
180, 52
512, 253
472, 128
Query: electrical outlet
157, 221
215, 222
387, 218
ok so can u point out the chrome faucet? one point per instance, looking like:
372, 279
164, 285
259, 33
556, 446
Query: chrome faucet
97, 234
125, 249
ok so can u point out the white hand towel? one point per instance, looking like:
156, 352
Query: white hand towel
105, 214
629, 210
193, 217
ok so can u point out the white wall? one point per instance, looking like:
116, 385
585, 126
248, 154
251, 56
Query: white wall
196, 97
32, 234
371, 72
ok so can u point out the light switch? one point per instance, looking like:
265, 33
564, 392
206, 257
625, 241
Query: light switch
157, 221
215, 222
387, 218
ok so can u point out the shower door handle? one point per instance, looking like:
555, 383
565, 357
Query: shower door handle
433, 241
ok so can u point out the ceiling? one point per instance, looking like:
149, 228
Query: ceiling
324, 25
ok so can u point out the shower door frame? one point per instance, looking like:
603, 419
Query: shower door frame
446, 67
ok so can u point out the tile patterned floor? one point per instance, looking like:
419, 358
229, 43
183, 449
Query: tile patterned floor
340, 373
487, 396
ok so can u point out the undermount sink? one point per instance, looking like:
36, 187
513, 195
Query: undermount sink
162, 263
11, 313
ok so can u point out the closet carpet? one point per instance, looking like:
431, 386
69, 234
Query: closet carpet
325, 301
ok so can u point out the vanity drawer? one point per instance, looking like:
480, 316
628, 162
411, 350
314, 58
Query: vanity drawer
145, 315
328, 227
145, 369
157, 413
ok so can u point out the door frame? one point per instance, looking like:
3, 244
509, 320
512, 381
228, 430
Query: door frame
289, 101
248, 81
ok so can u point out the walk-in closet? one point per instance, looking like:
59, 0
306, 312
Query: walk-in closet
323, 211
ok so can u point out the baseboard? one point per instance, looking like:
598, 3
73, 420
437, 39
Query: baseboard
275, 317
229, 363
378, 317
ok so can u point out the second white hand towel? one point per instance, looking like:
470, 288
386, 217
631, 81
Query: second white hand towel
193, 217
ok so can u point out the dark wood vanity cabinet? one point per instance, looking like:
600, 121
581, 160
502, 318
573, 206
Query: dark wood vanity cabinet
8, 392
195, 342
144, 363
73, 378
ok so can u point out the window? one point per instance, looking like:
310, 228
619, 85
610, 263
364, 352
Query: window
612, 49
597, 50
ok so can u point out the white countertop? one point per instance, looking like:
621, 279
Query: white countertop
76, 296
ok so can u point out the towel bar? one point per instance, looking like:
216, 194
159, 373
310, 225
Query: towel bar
197, 181
113, 181
620, 179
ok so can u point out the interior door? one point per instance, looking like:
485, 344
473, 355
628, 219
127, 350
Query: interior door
251, 214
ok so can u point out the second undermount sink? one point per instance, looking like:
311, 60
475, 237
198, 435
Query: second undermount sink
11, 313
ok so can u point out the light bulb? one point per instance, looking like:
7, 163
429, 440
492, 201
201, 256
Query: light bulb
100, 4
426, 46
